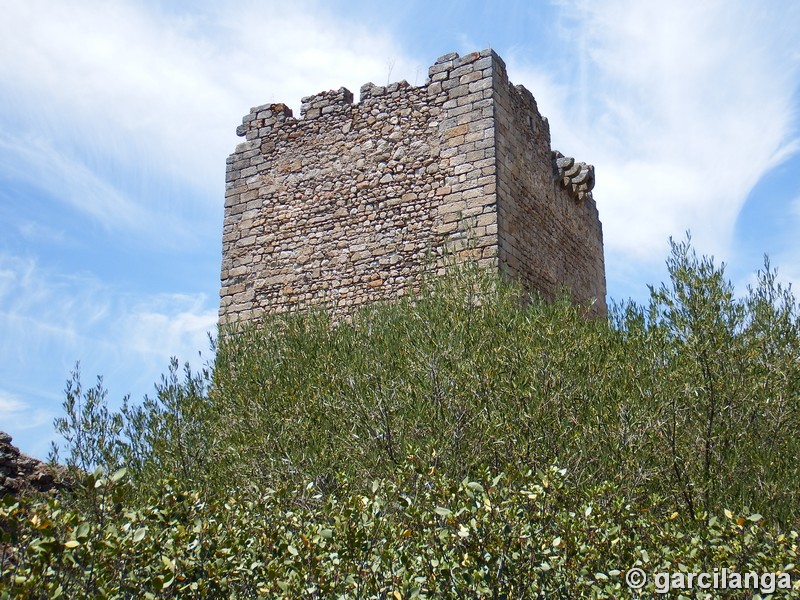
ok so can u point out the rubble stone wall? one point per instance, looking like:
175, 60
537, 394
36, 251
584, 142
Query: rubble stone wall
20, 473
350, 203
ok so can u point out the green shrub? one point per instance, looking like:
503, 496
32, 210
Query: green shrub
416, 534
693, 398
661, 415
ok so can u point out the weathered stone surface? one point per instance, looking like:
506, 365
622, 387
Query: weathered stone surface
21, 473
352, 202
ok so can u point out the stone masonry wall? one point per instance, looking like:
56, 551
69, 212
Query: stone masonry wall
350, 203
550, 234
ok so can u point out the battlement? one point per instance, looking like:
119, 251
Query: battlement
325, 103
261, 119
348, 203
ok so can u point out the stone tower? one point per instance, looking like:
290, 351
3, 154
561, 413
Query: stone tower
349, 203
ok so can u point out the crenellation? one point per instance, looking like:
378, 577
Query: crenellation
350, 203
325, 103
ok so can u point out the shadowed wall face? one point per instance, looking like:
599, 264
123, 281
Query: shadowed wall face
352, 202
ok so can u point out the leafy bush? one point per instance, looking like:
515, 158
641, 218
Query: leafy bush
417, 534
662, 415
693, 398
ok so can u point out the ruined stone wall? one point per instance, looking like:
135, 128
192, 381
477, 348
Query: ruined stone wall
351, 202
20, 473
550, 234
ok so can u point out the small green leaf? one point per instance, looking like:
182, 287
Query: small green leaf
168, 563
72, 544
440, 510
755, 517
119, 474
292, 550
474, 485
139, 535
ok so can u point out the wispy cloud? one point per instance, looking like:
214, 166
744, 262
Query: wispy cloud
65, 304
16, 414
40, 233
128, 97
30, 424
795, 208
168, 325
684, 108
788, 259
48, 321
38, 163
123, 113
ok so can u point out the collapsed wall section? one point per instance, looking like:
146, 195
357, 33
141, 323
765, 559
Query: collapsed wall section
549, 232
350, 203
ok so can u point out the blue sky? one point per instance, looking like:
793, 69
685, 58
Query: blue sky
117, 118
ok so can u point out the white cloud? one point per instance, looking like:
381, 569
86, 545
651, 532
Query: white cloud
60, 174
788, 259
44, 308
684, 108
29, 423
17, 415
49, 320
111, 98
124, 112
39, 232
169, 325
795, 208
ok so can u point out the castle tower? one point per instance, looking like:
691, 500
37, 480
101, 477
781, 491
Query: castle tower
347, 204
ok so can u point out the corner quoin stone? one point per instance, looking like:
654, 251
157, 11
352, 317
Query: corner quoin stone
351, 203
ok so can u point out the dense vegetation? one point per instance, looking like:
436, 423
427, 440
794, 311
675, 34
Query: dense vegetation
460, 443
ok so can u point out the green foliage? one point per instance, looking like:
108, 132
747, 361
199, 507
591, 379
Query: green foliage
461, 372
416, 534
693, 397
726, 379
90, 430
166, 435
355, 458
162, 436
